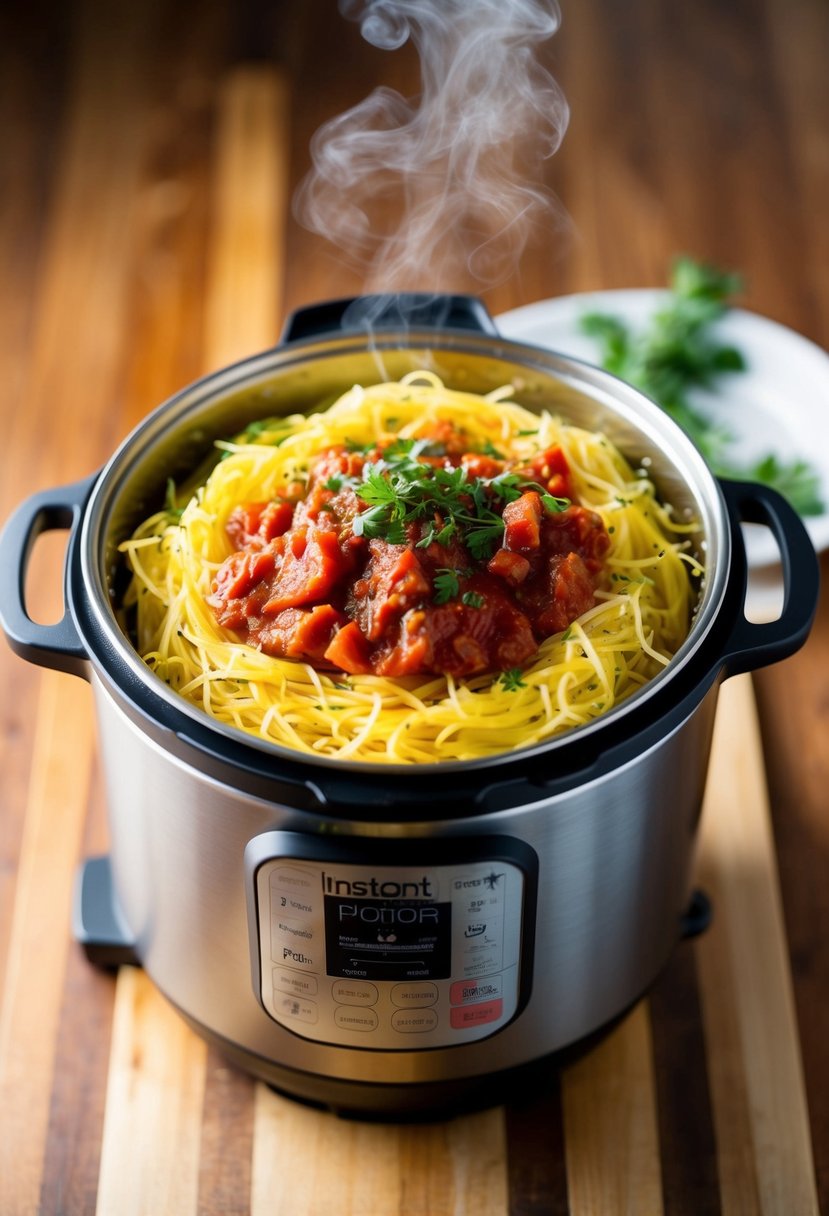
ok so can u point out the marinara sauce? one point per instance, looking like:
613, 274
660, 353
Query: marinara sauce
430, 559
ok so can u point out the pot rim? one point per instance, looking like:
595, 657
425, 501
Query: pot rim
624, 401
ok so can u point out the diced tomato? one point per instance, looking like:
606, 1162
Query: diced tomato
275, 520
498, 634
579, 530
392, 583
299, 634
349, 650
510, 566
411, 651
461, 639
298, 541
307, 577
478, 465
522, 522
552, 468
255, 524
240, 573
566, 591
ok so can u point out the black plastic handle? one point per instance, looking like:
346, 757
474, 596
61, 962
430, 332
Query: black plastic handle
57, 646
364, 314
750, 644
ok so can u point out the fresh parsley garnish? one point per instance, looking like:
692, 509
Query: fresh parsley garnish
446, 585
401, 489
472, 599
677, 353
511, 680
798, 481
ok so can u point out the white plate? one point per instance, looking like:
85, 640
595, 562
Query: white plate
780, 403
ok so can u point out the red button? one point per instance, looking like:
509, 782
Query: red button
467, 1016
463, 992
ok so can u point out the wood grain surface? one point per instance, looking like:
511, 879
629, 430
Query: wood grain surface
148, 156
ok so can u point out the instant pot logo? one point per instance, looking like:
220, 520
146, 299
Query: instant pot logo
378, 888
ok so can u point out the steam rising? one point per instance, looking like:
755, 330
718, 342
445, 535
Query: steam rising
426, 192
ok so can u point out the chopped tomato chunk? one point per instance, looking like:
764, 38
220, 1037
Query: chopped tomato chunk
393, 582
349, 650
552, 468
257, 523
299, 634
522, 520
510, 566
275, 520
478, 465
564, 593
577, 530
308, 576
242, 572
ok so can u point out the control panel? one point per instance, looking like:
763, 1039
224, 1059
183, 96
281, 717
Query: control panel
390, 945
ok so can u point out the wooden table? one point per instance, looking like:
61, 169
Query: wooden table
148, 153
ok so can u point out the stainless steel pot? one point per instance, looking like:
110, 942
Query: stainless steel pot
396, 939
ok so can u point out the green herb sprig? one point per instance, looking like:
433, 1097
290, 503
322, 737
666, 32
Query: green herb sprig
446, 585
402, 489
678, 352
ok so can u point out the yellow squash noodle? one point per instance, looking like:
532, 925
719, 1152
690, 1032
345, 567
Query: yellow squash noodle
641, 616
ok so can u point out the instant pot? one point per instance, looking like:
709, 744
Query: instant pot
396, 939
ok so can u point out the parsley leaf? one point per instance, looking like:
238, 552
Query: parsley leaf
446, 585
472, 599
511, 680
798, 481
446, 501
676, 353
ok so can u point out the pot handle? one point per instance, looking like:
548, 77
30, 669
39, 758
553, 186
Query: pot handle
56, 646
364, 314
751, 644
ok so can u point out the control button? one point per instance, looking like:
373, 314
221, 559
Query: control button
291, 903
292, 943
351, 1017
300, 882
480, 889
293, 956
463, 992
414, 1021
290, 929
411, 996
466, 1017
293, 982
480, 965
355, 992
300, 1009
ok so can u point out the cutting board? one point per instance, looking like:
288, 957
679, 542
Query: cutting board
694, 1104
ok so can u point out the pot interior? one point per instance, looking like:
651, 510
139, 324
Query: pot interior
179, 437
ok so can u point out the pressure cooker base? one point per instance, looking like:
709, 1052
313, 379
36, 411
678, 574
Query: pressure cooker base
97, 927
414, 1102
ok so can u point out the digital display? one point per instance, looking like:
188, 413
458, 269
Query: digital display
387, 939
